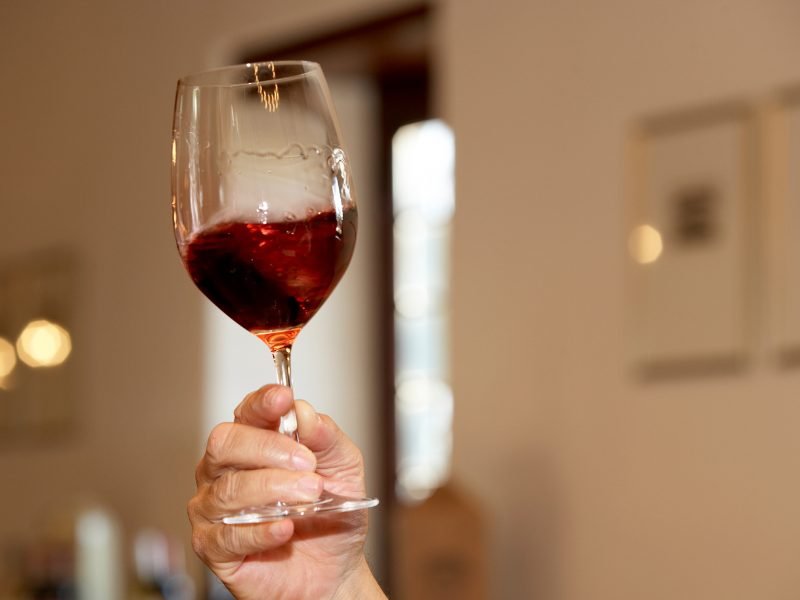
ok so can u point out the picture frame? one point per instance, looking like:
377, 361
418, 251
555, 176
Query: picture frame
782, 186
690, 245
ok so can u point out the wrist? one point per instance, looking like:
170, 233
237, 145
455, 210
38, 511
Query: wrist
359, 584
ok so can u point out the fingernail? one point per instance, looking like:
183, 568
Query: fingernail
311, 485
303, 461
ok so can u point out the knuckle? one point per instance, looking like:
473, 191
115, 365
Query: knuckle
199, 471
357, 465
328, 422
358, 459
218, 441
269, 393
338, 435
266, 485
198, 544
192, 509
225, 489
229, 538
244, 406
269, 444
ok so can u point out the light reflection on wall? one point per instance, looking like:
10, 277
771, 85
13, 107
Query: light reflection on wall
645, 244
424, 202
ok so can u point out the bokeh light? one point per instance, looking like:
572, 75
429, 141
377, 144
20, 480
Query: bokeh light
8, 358
645, 244
43, 344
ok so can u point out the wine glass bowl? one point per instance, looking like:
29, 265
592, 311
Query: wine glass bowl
272, 277
263, 208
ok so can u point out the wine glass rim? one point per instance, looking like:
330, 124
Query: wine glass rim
208, 77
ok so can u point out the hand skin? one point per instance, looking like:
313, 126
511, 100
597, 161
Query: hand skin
248, 463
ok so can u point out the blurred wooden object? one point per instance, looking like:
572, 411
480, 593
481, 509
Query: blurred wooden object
440, 549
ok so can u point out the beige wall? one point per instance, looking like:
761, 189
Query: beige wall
597, 486
601, 487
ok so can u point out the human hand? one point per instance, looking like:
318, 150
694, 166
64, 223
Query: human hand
248, 463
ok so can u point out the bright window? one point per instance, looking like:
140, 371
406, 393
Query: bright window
423, 157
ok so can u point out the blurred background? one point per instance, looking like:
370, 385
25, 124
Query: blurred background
568, 341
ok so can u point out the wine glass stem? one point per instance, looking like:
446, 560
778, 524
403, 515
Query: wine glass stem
283, 369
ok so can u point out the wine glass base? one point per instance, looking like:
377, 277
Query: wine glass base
327, 503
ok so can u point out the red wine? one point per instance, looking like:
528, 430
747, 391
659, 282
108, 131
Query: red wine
272, 278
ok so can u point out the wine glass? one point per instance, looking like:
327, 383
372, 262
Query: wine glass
264, 212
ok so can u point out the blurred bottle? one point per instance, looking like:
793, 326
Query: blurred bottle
99, 572
440, 548
160, 567
47, 571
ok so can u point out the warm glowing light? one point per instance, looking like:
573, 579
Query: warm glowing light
43, 344
645, 244
174, 154
8, 358
270, 100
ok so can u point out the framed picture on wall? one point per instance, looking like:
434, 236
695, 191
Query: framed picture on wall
690, 239
782, 178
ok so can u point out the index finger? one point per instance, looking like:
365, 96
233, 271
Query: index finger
265, 406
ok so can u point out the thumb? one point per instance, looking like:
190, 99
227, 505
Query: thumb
338, 458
